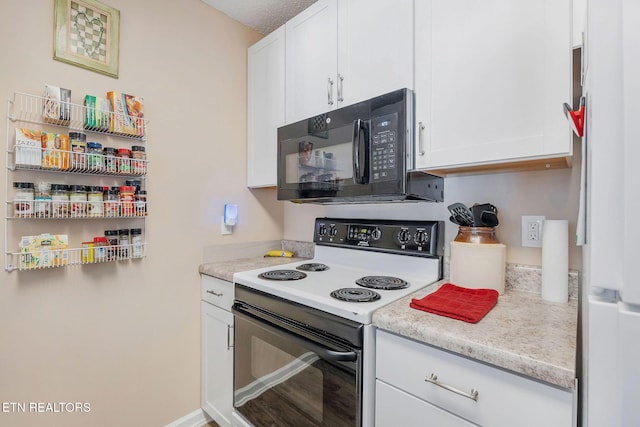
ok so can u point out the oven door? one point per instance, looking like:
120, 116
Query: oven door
286, 376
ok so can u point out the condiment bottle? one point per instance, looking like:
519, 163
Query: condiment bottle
139, 159
78, 201
127, 200
95, 202
112, 248
59, 201
123, 243
86, 255
100, 248
124, 160
42, 197
78, 142
136, 243
110, 161
23, 199
111, 203
95, 159
141, 203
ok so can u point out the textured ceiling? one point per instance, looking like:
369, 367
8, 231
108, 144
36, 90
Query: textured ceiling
263, 16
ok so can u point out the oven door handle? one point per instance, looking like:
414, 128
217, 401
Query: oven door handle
278, 326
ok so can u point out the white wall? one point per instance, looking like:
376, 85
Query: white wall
125, 337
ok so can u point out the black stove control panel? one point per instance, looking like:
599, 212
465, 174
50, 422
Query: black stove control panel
417, 238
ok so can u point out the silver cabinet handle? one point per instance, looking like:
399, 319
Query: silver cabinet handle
421, 128
329, 91
218, 294
340, 80
433, 379
229, 335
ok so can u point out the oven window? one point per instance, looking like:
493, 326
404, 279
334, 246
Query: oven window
278, 381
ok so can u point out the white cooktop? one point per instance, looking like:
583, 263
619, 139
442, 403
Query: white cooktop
345, 267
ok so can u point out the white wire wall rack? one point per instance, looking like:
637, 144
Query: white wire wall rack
37, 116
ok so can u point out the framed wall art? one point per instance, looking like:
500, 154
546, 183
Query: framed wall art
86, 33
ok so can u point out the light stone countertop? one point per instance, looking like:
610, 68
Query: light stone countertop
522, 333
224, 269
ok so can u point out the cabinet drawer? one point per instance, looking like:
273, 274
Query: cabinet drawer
217, 291
396, 408
503, 398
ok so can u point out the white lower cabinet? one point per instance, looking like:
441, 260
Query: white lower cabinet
501, 398
217, 349
395, 407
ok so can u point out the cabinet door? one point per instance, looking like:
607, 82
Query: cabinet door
311, 46
266, 71
491, 78
375, 48
217, 363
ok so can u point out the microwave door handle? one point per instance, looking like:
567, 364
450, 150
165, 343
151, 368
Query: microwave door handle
358, 172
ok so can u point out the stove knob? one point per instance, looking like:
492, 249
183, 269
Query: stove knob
333, 230
403, 236
322, 230
421, 237
376, 234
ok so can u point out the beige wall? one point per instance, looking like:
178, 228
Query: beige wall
126, 337
553, 193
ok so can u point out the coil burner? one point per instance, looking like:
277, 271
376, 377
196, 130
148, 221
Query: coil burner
282, 275
355, 295
382, 282
312, 266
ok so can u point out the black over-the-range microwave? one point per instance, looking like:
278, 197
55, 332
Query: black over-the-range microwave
362, 153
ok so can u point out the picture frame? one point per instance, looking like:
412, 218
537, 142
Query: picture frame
86, 33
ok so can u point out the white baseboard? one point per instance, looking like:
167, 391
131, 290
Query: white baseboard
197, 418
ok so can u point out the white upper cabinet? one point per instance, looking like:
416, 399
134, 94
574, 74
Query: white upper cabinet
265, 111
375, 48
312, 60
343, 51
491, 78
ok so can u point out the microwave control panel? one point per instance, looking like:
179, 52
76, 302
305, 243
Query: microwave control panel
384, 148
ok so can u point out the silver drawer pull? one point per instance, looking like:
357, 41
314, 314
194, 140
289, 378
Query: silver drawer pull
218, 294
433, 379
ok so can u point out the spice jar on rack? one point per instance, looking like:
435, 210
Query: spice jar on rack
139, 160
78, 201
124, 160
42, 197
78, 141
59, 201
127, 200
95, 158
23, 199
110, 160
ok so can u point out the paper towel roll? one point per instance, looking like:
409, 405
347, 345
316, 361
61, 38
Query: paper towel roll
555, 260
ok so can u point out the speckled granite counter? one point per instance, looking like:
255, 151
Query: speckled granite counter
224, 269
522, 333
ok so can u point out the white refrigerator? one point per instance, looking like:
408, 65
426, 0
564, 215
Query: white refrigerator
611, 256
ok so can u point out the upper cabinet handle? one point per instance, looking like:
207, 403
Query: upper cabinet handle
340, 80
421, 127
329, 91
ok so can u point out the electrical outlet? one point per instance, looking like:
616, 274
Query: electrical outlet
532, 230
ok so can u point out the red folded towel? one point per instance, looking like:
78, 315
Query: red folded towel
469, 305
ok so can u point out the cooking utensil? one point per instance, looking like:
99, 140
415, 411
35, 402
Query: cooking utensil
484, 215
489, 219
461, 214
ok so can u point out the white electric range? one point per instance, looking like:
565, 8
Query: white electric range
306, 325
